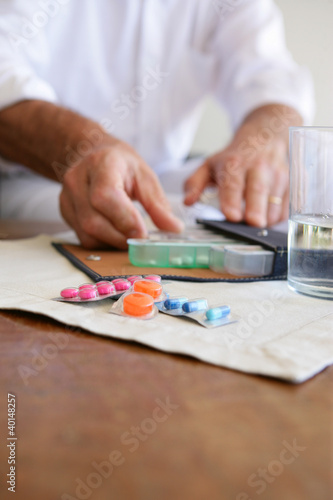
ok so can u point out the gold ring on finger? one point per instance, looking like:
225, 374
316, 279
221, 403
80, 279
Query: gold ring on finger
275, 200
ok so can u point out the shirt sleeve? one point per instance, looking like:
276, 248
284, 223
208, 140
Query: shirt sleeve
23, 49
254, 65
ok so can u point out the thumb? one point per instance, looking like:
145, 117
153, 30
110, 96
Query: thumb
196, 184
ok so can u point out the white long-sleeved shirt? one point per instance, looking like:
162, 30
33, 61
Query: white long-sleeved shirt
141, 68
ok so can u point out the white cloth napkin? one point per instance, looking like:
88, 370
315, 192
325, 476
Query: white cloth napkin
279, 333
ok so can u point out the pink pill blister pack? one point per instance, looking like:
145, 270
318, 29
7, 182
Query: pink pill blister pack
92, 292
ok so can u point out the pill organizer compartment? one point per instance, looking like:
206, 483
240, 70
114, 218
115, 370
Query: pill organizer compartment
189, 249
183, 254
248, 260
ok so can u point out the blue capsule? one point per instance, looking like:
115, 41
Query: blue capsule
217, 312
175, 303
195, 305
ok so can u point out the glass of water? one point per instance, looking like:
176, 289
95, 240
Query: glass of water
310, 239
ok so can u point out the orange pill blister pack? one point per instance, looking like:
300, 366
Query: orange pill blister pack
140, 301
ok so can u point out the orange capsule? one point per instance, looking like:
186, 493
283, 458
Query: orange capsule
152, 288
138, 304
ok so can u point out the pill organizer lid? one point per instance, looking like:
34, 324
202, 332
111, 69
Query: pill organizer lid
254, 250
267, 237
174, 243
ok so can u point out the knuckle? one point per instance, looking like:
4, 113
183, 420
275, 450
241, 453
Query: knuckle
99, 197
262, 166
235, 183
88, 226
282, 176
230, 182
123, 223
258, 186
100, 155
221, 176
231, 175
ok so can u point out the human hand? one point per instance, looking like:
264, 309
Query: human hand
251, 174
97, 194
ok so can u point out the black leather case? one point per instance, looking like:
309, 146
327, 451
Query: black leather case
268, 238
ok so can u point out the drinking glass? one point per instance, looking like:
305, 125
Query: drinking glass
310, 237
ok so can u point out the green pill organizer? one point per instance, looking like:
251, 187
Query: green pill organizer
191, 250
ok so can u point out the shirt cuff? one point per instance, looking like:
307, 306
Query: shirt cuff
296, 91
21, 85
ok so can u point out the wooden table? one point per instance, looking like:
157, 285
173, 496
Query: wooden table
109, 420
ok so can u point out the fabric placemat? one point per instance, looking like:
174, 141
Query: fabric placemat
279, 334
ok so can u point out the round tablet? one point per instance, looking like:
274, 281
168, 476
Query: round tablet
131, 279
122, 285
69, 293
153, 277
138, 304
88, 286
87, 293
150, 287
105, 288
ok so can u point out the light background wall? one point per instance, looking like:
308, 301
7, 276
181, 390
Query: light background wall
309, 35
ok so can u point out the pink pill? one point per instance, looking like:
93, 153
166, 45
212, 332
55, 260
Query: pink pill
153, 277
131, 279
87, 293
69, 293
105, 288
122, 285
117, 280
88, 286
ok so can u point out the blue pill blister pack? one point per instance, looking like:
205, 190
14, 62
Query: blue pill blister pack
198, 310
